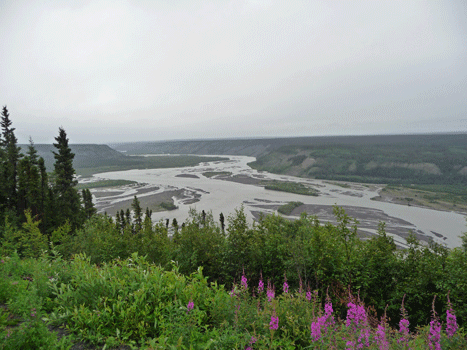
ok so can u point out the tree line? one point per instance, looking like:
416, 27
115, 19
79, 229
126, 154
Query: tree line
33, 199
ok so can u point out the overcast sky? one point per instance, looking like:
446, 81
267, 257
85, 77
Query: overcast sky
110, 71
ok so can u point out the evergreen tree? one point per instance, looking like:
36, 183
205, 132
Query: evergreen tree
29, 182
138, 214
122, 218
148, 215
175, 225
44, 211
11, 155
222, 220
67, 197
128, 217
89, 209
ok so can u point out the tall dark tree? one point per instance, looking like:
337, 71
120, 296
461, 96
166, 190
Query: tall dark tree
222, 220
29, 182
89, 209
67, 197
11, 155
138, 214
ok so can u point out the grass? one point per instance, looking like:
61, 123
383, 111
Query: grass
291, 187
286, 209
104, 183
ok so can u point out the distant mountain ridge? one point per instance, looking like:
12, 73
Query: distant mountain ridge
262, 146
86, 155
423, 159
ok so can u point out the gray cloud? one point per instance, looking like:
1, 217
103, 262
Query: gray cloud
147, 70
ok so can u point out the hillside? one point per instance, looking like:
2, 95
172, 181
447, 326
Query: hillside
91, 158
86, 155
413, 161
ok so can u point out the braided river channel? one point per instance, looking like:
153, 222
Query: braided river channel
241, 185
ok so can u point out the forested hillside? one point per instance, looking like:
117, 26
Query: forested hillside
401, 163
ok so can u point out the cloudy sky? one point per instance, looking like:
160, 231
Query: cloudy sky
153, 70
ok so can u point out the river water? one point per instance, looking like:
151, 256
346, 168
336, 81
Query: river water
225, 196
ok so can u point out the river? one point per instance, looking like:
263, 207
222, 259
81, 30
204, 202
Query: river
218, 196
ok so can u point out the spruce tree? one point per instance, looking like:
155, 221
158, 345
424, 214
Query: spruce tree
10, 161
29, 183
89, 209
138, 214
67, 197
222, 220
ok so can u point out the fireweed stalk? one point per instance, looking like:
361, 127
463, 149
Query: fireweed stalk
323, 322
261, 284
380, 336
357, 319
435, 330
403, 327
244, 281
286, 286
270, 291
451, 321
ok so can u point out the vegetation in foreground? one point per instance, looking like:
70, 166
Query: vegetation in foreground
97, 285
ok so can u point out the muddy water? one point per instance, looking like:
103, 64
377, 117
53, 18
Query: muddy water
218, 196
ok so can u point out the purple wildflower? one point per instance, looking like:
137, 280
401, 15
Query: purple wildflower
316, 330
286, 287
233, 292
435, 330
323, 322
355, 313
261, 284
190, 305
403, 325
33, 312
403, 330
308, 295
253, 340
270, 292
451, 321
274, 324
350, 344
381, 338
435, 334
2, 261
243, 281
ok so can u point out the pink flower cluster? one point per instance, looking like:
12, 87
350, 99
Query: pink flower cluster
270, 292
252, 341
435, 334
357, 318
190, 305
274, 324
381, 338
244, 282
322, 322
355, 315
261, 285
